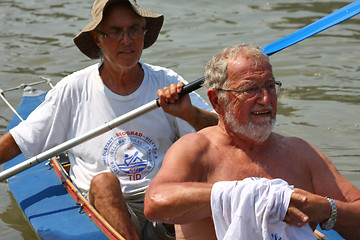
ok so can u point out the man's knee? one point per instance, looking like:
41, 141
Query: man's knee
106, 179
104, 185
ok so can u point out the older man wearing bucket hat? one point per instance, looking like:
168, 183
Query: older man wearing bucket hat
114, 169
87, 45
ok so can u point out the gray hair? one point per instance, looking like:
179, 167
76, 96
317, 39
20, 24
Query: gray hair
216, 69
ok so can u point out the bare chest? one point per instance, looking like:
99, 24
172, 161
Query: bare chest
237, 165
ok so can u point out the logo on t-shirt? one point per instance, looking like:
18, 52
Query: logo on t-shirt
130, 154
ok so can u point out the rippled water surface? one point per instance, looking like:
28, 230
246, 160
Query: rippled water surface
321, 84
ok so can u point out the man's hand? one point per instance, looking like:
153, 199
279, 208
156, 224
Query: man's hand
171, 102
294, 215
307, 207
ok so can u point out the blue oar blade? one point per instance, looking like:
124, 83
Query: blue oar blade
324, 23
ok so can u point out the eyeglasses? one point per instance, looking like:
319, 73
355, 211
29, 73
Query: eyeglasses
252, 90
134, 32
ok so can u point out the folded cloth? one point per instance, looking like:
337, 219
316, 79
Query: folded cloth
254, 208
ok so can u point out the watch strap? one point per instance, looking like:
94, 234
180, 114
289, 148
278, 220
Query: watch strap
330, 223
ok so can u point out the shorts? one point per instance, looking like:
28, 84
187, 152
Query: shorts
148, 230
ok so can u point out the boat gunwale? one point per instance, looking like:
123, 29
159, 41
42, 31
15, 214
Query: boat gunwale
82, 202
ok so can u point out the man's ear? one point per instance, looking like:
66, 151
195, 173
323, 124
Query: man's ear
215, 101
95, 36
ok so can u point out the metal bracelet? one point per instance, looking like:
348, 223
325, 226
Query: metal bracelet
330, 223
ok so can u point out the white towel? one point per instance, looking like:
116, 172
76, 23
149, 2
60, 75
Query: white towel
254, 208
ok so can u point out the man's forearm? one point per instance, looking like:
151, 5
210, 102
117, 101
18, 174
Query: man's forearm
178, 203
8, 148
348, 219
200, 118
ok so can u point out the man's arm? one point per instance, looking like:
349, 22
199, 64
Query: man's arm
327, 181
8, 148
171, 103
176, 195
318, 209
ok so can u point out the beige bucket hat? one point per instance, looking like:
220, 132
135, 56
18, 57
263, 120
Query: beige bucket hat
86, 43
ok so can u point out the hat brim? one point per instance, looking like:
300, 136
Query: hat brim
85, 42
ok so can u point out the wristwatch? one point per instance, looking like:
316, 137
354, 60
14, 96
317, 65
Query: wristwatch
330, 223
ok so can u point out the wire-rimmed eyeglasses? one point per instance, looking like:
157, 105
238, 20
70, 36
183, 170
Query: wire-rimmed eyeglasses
252, 90
134, 32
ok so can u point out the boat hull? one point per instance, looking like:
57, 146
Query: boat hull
46, 204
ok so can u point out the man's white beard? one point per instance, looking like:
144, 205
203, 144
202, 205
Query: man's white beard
258, 133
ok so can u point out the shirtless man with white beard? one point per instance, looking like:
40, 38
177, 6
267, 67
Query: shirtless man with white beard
242, 90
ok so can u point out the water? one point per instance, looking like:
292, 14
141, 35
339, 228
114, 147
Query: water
319, 101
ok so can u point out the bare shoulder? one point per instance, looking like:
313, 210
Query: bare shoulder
197, 141
299, 154
186, 156
326, 179
290, 140
298, 146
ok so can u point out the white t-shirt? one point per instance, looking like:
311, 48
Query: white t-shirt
254, 208
81, 102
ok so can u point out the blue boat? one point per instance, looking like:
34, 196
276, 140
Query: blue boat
51, 203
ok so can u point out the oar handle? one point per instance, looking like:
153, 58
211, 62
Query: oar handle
192, 86
188, 88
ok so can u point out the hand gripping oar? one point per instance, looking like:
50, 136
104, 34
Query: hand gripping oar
312, 29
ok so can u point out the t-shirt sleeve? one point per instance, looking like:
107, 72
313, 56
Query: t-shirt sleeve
40, 131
